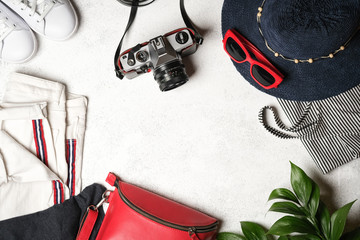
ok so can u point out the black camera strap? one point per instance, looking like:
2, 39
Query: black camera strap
134, 6
198, 38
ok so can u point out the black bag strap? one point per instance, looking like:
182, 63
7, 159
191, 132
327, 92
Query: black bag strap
134, 6
299, 127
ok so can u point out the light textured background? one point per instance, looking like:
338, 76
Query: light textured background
200, 144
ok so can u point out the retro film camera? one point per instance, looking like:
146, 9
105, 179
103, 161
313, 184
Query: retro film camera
162, 55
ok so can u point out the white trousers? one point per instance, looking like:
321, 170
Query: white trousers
41, 145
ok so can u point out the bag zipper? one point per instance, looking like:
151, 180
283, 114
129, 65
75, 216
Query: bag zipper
190, 229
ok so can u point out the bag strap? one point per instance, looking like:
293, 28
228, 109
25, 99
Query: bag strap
89, 219
87, 223
134, 6
297, 127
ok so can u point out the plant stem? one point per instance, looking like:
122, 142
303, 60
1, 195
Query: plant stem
315, 224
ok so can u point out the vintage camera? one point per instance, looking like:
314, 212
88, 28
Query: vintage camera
163, 55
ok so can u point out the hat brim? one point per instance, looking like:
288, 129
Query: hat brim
304, 81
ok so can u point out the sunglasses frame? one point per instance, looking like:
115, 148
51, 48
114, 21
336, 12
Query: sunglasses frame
261, 60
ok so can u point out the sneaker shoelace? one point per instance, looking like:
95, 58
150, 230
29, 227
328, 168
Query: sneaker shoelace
38, 8
6, 27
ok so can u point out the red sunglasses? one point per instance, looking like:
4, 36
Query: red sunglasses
241, 50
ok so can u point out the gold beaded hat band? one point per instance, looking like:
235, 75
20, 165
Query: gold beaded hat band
298, 60
301, 30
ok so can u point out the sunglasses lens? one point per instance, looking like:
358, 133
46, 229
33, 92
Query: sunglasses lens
262, 76
234, 49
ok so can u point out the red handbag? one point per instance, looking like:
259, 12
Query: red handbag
137, 214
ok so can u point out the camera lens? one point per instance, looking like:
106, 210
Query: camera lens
170, 75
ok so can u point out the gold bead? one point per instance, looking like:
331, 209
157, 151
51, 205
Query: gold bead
310, 60
260, 9
259, 14
296, 61
342, 48
276, 54
331, 55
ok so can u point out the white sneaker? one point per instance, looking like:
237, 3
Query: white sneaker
54, 19
17, 41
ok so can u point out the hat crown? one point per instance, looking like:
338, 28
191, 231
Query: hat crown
302, 29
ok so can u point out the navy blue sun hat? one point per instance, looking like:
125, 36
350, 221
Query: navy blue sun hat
321, 35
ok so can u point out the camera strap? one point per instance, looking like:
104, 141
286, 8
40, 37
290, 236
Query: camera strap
134, 6
198, 38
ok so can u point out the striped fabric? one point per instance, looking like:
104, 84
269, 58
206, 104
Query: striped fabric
58, 192
70, 158
330, 130
39, 140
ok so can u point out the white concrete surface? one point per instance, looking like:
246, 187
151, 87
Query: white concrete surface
200, 144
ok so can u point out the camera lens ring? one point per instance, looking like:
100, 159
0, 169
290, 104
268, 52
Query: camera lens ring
170, 75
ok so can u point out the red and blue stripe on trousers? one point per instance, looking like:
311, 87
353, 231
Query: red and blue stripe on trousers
58, 192
71, 158
41, 153
39, 138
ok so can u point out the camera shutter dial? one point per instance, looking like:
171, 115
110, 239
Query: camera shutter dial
182, 37
142, 56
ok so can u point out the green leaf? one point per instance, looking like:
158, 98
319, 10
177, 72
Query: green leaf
353, 235
289, 224
338, 220
283, 193
323, 217
300, 237
314, 199
229, 236
301, 184
287, 207
253, 231
304, 237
